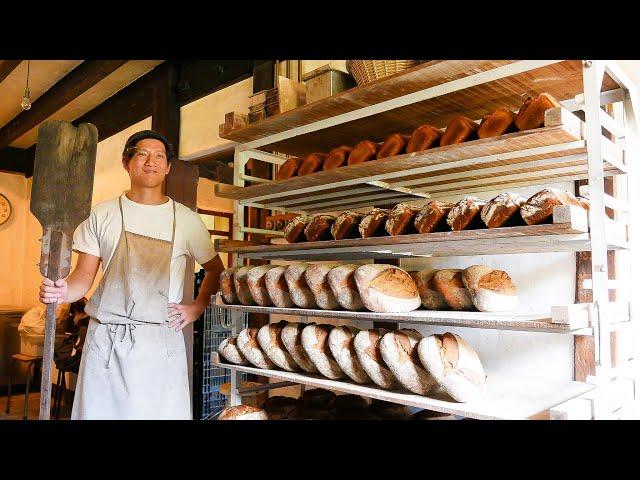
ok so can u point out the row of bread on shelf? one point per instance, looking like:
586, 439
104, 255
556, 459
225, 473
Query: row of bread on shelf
390, 359
505, 210
460, 129
379, 288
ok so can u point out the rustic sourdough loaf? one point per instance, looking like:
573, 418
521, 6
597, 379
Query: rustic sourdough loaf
316, 277
539, 207
300, 293
423, 138
386, 288
499, 122
373, 223
315, 343
257, 285
250, 347
465, 215
294, 231
319, 228
503, 210
491, 290
433, 217
363, 152
242, 289
311, 163
531, 113
337, 157
227, 288
291, 337
430, 297
289, 168
341, 341
400, 221
277, 287
460, 129
346, 225
367, 345
393, 145
271, 344
243, 412
230, 351
449, 284
344, 288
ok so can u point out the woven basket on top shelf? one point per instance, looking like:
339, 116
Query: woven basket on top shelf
366, 71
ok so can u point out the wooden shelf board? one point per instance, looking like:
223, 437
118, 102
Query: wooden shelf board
506, 397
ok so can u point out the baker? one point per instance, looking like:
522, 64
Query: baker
134, 364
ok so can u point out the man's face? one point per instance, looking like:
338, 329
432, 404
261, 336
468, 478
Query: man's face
148, 165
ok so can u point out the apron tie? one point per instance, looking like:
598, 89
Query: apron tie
113, 330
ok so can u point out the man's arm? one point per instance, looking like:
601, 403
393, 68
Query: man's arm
75, 286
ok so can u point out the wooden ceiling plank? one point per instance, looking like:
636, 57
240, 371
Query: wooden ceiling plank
6, 67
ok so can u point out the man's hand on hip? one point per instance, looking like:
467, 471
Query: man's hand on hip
182, 315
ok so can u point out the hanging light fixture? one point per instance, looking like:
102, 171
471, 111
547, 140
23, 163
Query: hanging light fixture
26, 102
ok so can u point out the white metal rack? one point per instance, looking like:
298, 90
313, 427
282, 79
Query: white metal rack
566, 148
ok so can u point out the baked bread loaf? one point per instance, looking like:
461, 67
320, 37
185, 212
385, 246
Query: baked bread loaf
242, 289
491, 290
337, 158
243, 412
503, 210
539, 207
367, 345
311, 163
423, 138
294, 231
291, 337
319, 228
399, 349
344, 352
449, 284
281, 408
386, 288
348, 403
229, 350
317, 398
271, 344
460, 129
531, 113
401, 218
343, 285
316, 277
257, 285
395, 144
432, 217
465, 215
389, 410
373, 223
289, 168
455, 366
430, 297
346, 225
250, 347
499, 122
363, 152
315, 342
277, 287
227, 288
300, 293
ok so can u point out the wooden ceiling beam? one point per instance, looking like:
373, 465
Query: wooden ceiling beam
6, 67
72, 85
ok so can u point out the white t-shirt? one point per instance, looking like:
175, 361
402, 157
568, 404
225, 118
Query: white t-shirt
99, 234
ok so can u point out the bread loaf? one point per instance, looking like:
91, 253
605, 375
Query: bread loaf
348, 403
337, 157
503, 210
430, 297
346, 225
367, 345
227, 288
271, 344
243, 412
300, 293
291, 337
465, 215
539, 207
317, 398
257, 285
400, 221
373, 223
242, 289
294, 231
281, 408
343, 285
455, 366
344, 352
394, 144
315, 343
399, 349
432, 217
277, 287
499, 122
289, 168
319, 228
491, 290
460, 129
450, 285
311, 163
230, 351
386, 288
363, 152
389, 410
250, 347
316, 277
531, 113
423, 138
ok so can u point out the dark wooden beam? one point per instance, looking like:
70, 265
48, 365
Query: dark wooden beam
15, 160
6, 67
216, 170
72, 85
199, 78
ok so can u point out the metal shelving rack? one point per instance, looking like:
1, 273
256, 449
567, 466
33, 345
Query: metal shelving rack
565, 149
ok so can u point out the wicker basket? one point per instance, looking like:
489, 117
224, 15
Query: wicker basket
366, 71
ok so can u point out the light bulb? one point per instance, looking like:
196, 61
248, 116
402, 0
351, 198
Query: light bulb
26, 103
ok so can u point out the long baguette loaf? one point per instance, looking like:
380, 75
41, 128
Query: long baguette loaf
341, 344
344, 288
386, 288
291, 337
271, 344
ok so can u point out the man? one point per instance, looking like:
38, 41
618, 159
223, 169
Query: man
134, 364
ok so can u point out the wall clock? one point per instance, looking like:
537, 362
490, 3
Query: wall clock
5, 209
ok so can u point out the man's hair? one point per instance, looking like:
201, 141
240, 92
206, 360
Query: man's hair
129, 147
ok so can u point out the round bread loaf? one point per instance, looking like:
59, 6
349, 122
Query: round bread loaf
250, 347
294, 231
299, 290
503, 210
271, 344
367, 345
373, 223
243, 412
433, 217
343, 285
242, 288
389, 410
399, 351
430, 297
230, 351
319, 228
291, 337
465, 215
315, 343
316, 277
227, 288
449, 284
257, 285
346, 225
281, 408
277, 287
455, 366
491, 290
401, 219
386, 288
344, 352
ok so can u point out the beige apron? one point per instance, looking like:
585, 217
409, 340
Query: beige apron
133, 366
